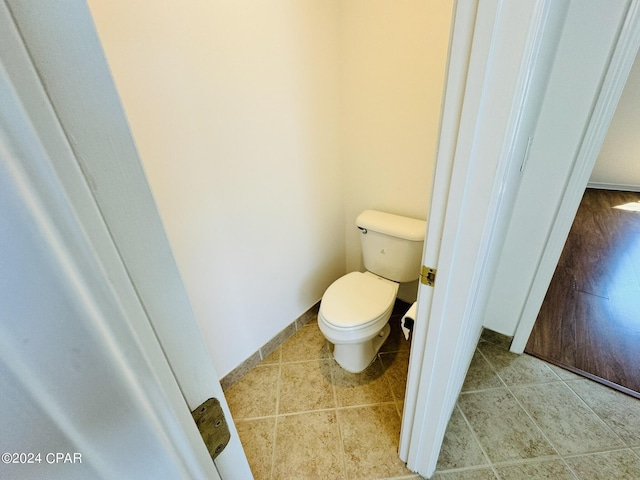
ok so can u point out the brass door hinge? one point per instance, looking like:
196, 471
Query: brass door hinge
428, 276
213, 427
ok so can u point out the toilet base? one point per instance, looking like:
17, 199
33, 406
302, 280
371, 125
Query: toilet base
355, 357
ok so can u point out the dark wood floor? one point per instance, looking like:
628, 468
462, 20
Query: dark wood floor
590, 319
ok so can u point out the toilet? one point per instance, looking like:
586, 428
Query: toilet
355, 309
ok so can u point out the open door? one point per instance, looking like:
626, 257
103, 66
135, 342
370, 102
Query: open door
498, 69
78, 185
87, 392
501, 71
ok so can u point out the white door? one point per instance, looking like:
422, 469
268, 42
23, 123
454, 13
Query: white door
500, 69
85, 390
76, 209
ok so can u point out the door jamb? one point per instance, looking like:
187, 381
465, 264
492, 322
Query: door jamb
606, 102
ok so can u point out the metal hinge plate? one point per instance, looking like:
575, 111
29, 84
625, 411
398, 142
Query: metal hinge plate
428, 276
213, 427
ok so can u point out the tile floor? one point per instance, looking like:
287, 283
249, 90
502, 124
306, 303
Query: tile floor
300, 416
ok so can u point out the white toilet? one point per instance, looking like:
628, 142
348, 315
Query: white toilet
355, 309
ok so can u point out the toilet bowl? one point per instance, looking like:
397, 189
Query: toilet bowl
355, 309
353, 316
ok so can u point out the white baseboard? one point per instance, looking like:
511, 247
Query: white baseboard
613, 186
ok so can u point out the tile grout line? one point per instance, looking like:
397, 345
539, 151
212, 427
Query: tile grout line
544, 435
562, 458
275, 423
563, 381
328, 409
522, 461
606, 425
478, 442
590, 452
389, 383
343, 454
596, 414
528, 414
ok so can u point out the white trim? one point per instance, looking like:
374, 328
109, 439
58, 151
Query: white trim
614, 186
460, 51
607, 100
434, 341
487, 138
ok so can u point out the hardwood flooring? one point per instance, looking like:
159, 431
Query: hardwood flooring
589, 322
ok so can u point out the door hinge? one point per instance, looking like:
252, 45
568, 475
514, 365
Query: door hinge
213, 427
428, 276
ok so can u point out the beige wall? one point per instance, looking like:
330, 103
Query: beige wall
263, 128
618, 165
393, 62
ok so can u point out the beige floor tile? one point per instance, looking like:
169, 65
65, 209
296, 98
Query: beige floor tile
308, 447
306, 386
475, 474
364, 388
370, 436
546, 470
567, 422
460, 449
257, 438
255, 394
502, 426
396, 365
480, 375
621, 464
307, 343
564, 374
619, 411
516, 369
489, 336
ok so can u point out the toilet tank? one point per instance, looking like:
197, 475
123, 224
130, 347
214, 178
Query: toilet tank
391, 244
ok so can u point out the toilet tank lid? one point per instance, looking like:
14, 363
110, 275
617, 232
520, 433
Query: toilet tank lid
393, 225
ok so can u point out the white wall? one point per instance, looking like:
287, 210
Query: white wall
233, 105
237, 108
393, 64
618, 165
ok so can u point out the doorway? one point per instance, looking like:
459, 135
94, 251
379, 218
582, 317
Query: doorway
588, 322
598, 252
550, 232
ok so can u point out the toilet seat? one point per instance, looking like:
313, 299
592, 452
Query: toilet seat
357, 300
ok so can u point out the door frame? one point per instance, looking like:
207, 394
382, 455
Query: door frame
67, 82
484, 131
467, 225
605, 104
69, 265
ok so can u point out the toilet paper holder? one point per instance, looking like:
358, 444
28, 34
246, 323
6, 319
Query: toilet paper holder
408, 320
